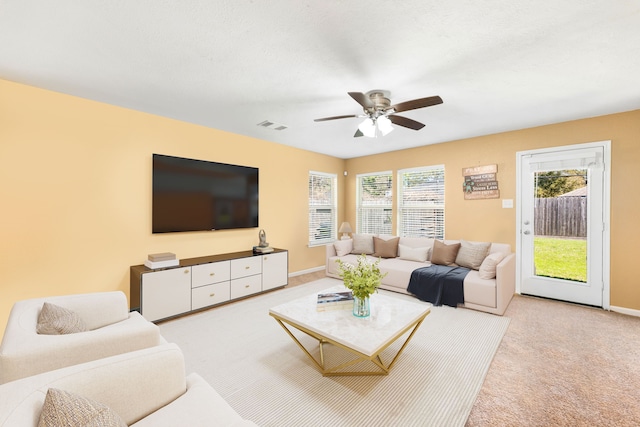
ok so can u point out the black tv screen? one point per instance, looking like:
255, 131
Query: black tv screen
196, 195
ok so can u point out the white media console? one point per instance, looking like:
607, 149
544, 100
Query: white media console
203, 282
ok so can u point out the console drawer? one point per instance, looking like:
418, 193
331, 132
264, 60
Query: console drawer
205, 296
214, 272
246, 286
243, 267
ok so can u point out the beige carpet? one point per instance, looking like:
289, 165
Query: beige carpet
562, 364
247, 357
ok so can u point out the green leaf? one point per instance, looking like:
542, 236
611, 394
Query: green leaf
362, 279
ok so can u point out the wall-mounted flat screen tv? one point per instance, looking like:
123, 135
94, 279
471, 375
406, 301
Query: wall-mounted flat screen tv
196, 195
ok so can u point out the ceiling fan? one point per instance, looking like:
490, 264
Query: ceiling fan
380, 114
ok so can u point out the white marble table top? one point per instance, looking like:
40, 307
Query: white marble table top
389, 316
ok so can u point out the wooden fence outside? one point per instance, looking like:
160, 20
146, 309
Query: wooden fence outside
561, 216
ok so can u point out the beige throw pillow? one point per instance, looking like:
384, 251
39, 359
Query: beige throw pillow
488, 268
471, 255
413, 254
444, 254
64, 409
362, 244
385, 248
56, 320
343, 247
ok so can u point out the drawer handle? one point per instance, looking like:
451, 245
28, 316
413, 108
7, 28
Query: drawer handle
186, 271
247, 267
247, 286
212, 295
212, 274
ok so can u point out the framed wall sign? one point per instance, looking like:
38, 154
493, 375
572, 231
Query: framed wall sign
480, 182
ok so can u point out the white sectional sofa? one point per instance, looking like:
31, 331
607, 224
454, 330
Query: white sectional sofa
483, 290
144, 388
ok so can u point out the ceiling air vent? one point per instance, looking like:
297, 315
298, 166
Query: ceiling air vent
272, 125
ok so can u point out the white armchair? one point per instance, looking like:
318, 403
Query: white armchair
112, 330
145, 388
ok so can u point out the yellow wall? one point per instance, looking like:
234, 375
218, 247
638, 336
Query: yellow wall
75, 191
486, 220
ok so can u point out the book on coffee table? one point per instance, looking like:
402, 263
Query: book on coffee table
334, 301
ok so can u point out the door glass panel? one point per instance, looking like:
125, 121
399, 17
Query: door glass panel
560, 224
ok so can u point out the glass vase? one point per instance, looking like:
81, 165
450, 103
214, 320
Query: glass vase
361, 307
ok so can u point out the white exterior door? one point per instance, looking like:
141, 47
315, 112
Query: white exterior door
563, 243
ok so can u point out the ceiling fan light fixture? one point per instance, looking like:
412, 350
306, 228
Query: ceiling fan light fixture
380, 114
368, 128
384, 125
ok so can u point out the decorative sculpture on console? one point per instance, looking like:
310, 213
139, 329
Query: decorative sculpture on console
263, 247
263, 239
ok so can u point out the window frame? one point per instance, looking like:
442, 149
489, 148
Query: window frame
313, 222
370, 228
439, 205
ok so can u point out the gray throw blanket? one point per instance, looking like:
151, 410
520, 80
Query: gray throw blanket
439, 284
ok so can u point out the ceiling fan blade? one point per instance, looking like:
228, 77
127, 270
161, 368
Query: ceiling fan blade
405, 122
335, 118
361, 99
358, 134
416, 103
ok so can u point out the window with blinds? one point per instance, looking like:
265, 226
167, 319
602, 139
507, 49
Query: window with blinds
322, 208
421, 202
374, 203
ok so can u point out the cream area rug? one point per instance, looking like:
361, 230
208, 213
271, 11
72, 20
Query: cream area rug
251, 361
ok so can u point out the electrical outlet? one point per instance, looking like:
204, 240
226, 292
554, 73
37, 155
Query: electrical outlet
507, 203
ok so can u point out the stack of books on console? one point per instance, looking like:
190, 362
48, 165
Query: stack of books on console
163, 260
335, 301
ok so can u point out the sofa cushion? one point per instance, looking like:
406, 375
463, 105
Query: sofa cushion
413, 254
488, 268
362, 244
500, 247
444, 254
398, 272
56, 320
343, 247
63, 409
471, 255
334, 268
385, 248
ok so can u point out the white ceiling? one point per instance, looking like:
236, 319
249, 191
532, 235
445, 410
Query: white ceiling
230, 64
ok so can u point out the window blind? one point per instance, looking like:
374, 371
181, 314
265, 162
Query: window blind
421, 202
322, 208
374, 203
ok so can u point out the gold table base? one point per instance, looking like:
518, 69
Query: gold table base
361, 357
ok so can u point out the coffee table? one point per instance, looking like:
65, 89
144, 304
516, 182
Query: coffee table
365, 338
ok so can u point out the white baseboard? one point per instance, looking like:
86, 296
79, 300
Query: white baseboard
309, 270
623, 310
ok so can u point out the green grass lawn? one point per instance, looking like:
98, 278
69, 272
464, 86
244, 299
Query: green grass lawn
561, 258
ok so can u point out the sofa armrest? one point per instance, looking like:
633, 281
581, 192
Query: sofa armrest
505, 282
330, 251
201, 405
133, 384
